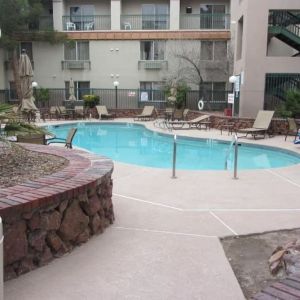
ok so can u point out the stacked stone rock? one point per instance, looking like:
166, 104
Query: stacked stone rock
35, 234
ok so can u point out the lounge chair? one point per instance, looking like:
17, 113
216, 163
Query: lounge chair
67, 141
261, 124
293, 128
79, 111
197, 122
35, 138
103, 113
147, 113
62, 112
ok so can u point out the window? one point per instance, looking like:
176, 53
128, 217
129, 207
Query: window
12, 91
152, 91
239, 46
206, 50
27, 46
212, 16
153, 50
155, 16
81, 88
214, 91
213, 50
220, 50
82, 15
77, 51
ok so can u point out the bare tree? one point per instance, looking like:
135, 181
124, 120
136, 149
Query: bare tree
188, 66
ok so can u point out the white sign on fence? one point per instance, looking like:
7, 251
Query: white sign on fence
144, 96
231, 98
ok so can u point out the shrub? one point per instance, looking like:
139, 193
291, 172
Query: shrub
91, 100
181, 90
291, 108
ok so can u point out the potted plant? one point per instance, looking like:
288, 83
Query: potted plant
90, 101
176, 94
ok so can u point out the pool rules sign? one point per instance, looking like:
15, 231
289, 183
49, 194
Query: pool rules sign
230, 99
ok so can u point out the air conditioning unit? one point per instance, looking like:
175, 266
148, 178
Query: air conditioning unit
75, 65
153, 65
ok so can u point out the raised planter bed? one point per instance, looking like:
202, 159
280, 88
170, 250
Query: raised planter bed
48, 217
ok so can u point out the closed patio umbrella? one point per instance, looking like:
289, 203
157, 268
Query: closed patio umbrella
72, 91
26, 74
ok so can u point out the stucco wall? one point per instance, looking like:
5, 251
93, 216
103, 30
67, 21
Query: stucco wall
254, 62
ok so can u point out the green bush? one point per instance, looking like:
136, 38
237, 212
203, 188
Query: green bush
181, 90
91, 100
291, 108
42, 94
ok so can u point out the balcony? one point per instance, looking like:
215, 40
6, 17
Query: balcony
43, 24
145, 22
205, 21
76, 65
86, 23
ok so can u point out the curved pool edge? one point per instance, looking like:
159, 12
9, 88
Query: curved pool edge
185, 134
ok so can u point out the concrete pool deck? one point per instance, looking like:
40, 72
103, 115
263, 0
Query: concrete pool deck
165, 243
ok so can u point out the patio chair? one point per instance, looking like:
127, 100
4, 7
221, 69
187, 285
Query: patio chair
79, 111
197, 122
293, 128
185, 113
53, 112
35, 138
70, 26
147, 113
103, 113
261, 124
67, 141
62, 112
178, 114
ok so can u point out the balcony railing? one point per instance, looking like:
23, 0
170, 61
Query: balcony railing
86, 23
76, 65
205, 21
43, 24
145, 22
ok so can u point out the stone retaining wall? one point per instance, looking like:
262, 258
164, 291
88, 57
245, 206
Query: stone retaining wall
47, 217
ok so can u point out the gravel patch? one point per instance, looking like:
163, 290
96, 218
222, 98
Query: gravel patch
18, 165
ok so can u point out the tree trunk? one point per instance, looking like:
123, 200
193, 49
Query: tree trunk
17, 79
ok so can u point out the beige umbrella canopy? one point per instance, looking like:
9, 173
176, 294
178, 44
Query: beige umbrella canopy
72, 91
26, 74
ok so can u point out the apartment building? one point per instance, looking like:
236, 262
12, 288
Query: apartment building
136, 43
144, 44
267, 45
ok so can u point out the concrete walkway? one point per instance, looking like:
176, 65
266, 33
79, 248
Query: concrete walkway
165, 241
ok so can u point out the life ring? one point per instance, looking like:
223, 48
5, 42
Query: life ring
200, 104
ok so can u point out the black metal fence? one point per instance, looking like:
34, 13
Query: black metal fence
126, 98
276, 88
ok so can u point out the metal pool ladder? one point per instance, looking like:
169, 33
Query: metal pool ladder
236, 147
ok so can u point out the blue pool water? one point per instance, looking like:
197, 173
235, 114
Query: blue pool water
133, 144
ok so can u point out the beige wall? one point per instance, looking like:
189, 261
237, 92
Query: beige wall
254, 62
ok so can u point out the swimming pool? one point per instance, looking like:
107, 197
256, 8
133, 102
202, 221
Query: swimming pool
134, 144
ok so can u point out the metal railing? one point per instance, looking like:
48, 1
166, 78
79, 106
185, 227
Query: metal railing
86, 23
276, 88
127, 98
286, 20
205, 21
145, 22
44, 23
235, 161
